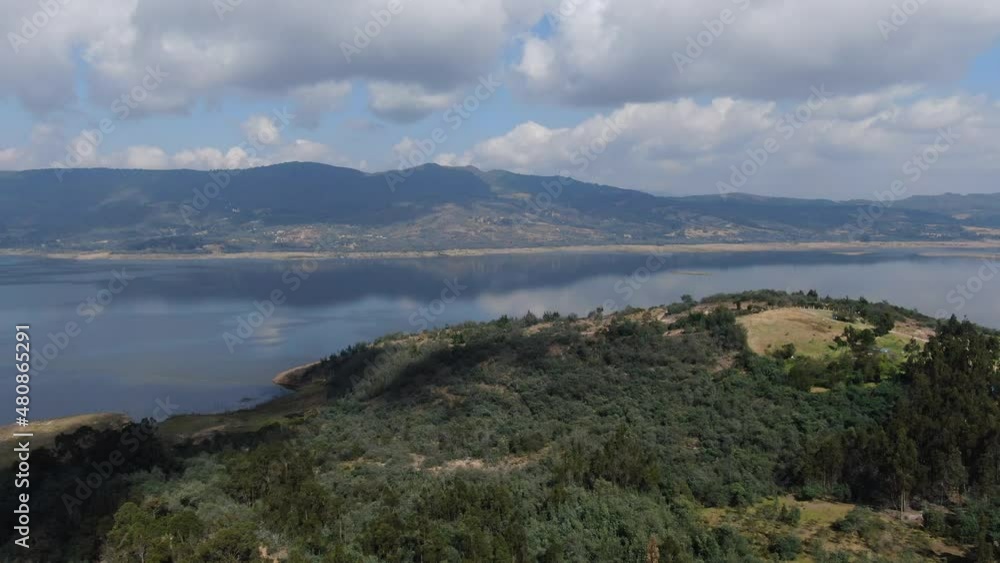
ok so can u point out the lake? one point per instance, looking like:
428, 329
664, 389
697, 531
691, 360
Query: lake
208, 335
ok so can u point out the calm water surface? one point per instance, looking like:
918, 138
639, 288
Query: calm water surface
164, 334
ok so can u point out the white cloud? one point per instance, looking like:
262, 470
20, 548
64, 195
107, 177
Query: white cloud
37, 62
847, 147
262, 130
263, 145
933, 113
11, 158
406, 102
614, 52
870, 103
146, 157
613, 56
212, 158
208, 158
265, 48
315, 100
650, 132
85, 148
46, 143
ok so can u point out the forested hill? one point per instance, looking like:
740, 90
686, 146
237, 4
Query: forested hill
755, 427
308, 206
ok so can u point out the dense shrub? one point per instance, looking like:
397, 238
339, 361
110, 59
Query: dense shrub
560, 439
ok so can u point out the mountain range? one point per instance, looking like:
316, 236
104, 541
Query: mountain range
310, 206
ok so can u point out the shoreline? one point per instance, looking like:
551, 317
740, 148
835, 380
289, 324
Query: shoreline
291, 379
721, 247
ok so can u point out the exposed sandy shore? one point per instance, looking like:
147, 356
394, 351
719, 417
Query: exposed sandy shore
976, 248
292, 378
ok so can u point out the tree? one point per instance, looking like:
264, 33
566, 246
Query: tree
951, 473
884, 323
786, 352
807, 372
824, 460
904, 466
142, 533
860, 342
861, 345
951, 407
235, 543
136, 536
786, 547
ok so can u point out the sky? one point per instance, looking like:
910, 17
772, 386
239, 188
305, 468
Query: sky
805, 98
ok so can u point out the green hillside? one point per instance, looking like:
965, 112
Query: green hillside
647, 435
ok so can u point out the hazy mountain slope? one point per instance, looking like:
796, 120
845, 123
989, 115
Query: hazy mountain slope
316, 206
975, 209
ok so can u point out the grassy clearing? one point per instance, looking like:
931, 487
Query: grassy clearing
820, 513
812, 332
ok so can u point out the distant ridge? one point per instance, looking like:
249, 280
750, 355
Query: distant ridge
311, 206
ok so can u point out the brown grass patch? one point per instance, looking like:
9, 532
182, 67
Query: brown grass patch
45, 431
811, 330
506, 464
